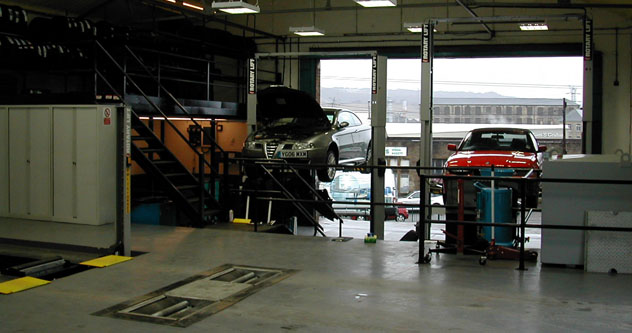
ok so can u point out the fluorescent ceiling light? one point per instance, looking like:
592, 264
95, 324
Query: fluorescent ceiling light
413, 27
416, 27
235, 7
307, 31
533, 26
194, 6
172, 1
376, 3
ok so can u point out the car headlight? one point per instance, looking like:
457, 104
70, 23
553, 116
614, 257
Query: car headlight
249, 145
303, 145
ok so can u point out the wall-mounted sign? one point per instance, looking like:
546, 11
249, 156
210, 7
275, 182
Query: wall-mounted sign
588, 39
426, 42
252, 76
374, 74
396, 151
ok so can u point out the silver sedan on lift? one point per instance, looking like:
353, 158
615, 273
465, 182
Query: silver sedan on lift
294, 127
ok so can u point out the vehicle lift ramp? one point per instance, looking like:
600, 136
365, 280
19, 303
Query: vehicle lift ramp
378, 119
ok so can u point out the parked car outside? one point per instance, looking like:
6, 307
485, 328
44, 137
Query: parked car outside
294, 127
512, 149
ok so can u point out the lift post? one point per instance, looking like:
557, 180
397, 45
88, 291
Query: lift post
378, 139
425, 114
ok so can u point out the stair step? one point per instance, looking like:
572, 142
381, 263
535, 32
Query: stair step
151, 150
140, 137
178, 174
163, 162
188, 187
194, 199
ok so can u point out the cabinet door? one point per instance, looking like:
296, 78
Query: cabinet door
18, 165
64, 162
4, 161
87, 166
40, 177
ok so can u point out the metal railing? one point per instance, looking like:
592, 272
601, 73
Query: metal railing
202, 161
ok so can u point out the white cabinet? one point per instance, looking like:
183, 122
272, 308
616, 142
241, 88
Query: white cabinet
60, 162
567, 203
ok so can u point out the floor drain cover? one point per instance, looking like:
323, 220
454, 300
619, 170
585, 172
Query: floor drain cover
193, 299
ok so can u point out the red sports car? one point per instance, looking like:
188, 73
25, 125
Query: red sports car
509, 150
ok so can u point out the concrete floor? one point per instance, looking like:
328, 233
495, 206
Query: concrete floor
349, 286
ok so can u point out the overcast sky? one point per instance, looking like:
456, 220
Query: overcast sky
513, 77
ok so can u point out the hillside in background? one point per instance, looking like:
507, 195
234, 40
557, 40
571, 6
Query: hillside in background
339, 96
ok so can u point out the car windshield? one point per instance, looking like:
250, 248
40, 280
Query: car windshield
498, 140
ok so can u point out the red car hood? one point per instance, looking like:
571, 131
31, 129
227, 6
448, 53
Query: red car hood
502, 159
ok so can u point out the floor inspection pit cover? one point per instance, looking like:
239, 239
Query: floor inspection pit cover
193, 299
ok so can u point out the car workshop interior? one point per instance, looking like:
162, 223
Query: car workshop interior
179, 165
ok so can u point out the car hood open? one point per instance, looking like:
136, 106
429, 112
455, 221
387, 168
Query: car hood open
282, 102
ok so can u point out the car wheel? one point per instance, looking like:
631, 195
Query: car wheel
401, 218
328, 174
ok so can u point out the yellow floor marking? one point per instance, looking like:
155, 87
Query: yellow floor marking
21, 284
106, 261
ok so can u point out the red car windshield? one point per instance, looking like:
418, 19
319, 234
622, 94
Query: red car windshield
498, 140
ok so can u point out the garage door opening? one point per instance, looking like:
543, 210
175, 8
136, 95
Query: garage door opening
527, 92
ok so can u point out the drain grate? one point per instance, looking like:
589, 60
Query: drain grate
195, 298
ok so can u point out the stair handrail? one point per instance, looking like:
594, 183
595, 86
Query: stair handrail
201, 155
157, 108
175, 100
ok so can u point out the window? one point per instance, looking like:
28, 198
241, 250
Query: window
457, 110
509, 110
477, 110
446, 110
519, 110
350, 118
467, 110
540, 111
578, 127
530, 110
499, 110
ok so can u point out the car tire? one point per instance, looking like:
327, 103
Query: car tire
401, 218
328, 174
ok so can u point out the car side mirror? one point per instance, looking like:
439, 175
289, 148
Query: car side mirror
343, 124
541, 149
452, 147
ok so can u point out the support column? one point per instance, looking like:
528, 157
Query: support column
123, 175
425, 111
251, 99
588, 88
378, 139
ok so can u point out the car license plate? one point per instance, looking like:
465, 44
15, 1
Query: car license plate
293, 154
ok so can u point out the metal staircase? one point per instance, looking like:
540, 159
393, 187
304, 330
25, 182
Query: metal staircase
187, 190
191, 195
